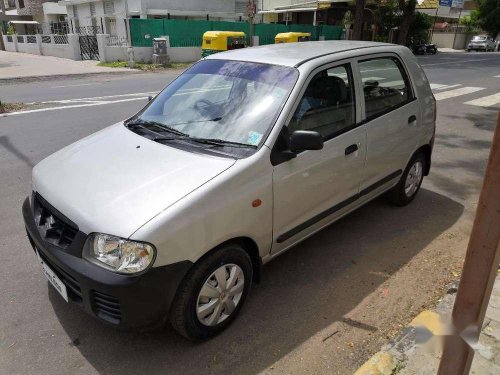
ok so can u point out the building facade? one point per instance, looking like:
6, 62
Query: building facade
110, 16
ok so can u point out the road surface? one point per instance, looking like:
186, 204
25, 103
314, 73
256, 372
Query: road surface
324, 306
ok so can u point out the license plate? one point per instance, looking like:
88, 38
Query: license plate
53, 279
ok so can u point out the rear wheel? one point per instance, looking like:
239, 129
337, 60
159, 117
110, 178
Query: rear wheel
411, 180
212, 293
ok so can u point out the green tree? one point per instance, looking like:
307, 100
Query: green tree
357, 32
470, 22
489, 16
407, 8
419, 28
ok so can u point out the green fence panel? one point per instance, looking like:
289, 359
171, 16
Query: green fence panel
186, 33
189, 33
232, 26
331, 32
267, 32
142, 31
306, 29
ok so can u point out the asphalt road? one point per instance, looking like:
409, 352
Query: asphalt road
325, 306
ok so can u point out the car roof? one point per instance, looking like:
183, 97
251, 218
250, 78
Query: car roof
295, 54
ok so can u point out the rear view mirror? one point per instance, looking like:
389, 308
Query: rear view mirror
302, 140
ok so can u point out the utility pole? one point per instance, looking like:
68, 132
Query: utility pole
2, 8
479, 271
251, 10
456, 28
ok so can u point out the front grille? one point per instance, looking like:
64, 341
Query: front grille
107, 307
52, 225
72, 285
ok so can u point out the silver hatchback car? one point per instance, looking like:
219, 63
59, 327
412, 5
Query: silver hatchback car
170, 215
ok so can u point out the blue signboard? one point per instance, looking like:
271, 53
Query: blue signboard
445, 3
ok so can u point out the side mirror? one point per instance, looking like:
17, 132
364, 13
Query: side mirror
302, 140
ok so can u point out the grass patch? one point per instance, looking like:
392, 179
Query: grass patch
145, 67
11, 107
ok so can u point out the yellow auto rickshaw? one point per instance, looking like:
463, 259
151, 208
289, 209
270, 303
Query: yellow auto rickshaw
218, 41
292, 37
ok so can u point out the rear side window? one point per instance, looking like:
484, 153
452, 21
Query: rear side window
385, 85
328, 104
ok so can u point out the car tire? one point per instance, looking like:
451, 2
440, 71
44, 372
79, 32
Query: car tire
468, 50
409, 185
191, 303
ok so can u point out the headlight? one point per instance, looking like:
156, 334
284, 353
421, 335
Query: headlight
118, 254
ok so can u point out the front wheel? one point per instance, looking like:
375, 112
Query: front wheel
212, 293
411, 180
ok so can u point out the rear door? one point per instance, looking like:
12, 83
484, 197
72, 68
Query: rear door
317, 186
391, 117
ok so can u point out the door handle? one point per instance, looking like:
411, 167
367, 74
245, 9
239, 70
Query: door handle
350, 149
412, 118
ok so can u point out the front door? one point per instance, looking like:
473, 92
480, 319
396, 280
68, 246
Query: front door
317, 186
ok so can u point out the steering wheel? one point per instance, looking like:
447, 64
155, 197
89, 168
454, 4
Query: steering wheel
203, 107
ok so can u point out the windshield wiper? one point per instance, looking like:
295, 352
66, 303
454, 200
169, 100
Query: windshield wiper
221, 142
207, 141
153, 124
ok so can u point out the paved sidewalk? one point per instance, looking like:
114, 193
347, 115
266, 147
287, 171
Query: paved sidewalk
14, 65
487, 356
404, 357
450, 50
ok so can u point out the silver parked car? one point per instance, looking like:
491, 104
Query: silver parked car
482, 43
170, 215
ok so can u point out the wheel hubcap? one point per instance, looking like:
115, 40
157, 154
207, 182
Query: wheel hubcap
413, 179
220, 294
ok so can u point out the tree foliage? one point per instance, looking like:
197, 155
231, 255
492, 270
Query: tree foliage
489, 16
419, 28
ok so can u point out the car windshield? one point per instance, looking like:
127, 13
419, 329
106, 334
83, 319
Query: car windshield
232, 102
479, 38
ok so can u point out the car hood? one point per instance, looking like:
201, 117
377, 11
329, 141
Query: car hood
114, 181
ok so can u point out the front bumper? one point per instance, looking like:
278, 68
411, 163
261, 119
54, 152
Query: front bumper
135, 302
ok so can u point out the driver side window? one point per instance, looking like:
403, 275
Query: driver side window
327, 106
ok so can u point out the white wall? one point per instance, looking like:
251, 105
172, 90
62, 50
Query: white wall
184, 54
192, 5
10, 46
446, 40
28, 48
68, 51
145, 54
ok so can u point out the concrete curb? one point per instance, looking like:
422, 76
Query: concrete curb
393, 356
15, 80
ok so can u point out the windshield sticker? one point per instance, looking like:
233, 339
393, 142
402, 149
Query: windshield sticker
254, 138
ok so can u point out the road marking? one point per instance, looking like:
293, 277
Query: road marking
93, 99
457, 92
455, 62
437, 86
497, 76
81, 84
485, 101
70, 106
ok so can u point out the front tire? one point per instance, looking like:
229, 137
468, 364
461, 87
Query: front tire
212, 293
409, 185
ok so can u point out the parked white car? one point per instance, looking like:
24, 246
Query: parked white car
170, 215
482, 43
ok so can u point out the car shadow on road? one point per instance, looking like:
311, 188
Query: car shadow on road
302, 292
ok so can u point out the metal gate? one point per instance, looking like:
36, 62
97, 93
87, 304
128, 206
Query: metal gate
89, 49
